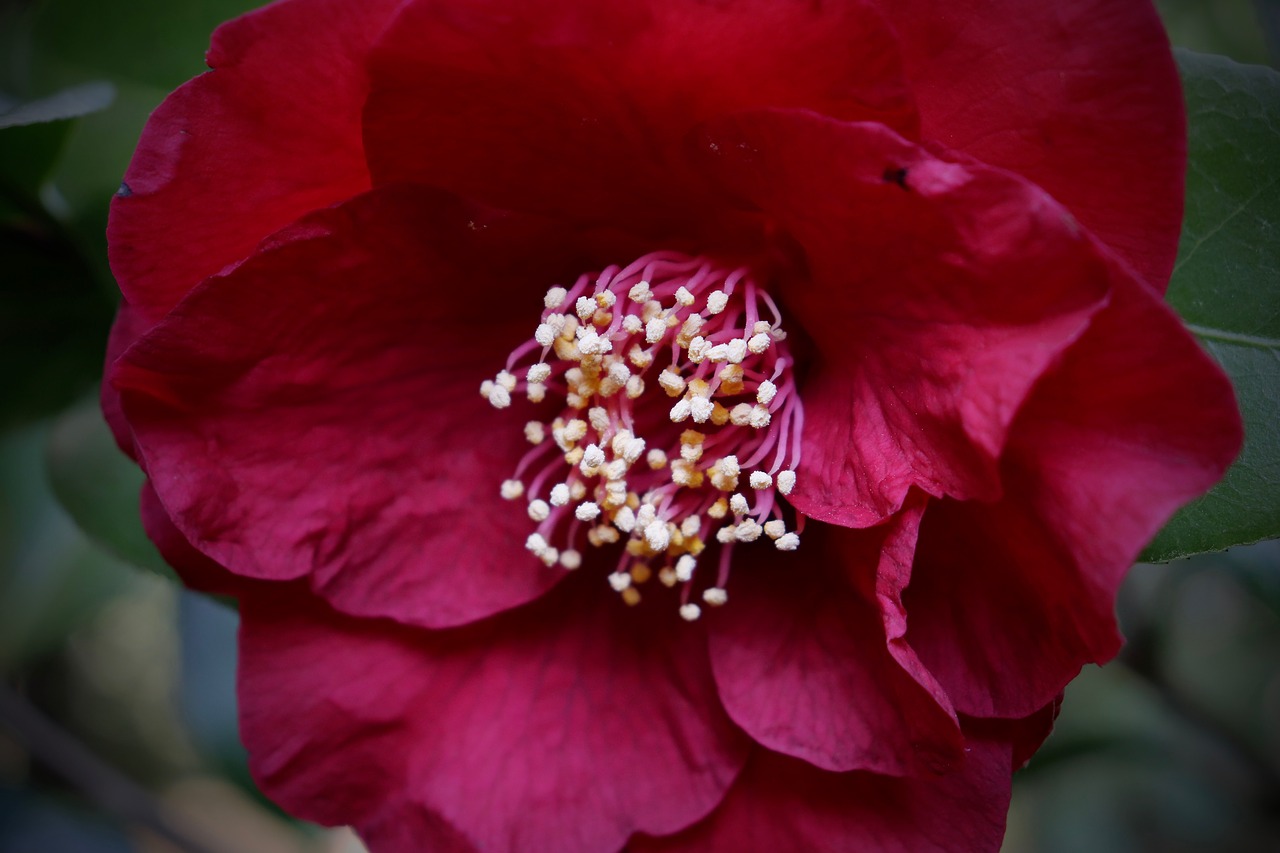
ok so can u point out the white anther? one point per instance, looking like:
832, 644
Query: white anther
639, 357
632, 324
635, 387
698, 349
538, 373
606, 534
737, 350
716, 301
615, 471
760, 480
634, 450
640, 293
536, 392
759, 418
645, 516
506, 379
555, 297
538, 510
748, 531
684, 568
584, 308
598, 417
691, 452
683, 296
655, 330
786, 481
559, 495
545, 335
787, 542
667, 576
570, 559
535, 544
577, 490
715, 596
761, 327
680, 411
590, 343
728, 465
606, 299
774, 529
692, 325
588, 511
690, 612
656, 458
656, 534
625, 519
592, 458
700, 408
499, 397
549, 556
691, 525
718, 353
725, 534
575, 430
619, 581
672, 382
738, 505
512, 489
759, 343
766, 392
619, 372
534, 432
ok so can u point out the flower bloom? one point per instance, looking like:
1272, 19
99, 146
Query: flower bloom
667, 424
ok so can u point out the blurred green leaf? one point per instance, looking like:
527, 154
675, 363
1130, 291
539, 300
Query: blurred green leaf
1226, 285
69, 103
98, 486
51, 579
155, 42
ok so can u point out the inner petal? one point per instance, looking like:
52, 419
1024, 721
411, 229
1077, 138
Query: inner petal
669, 423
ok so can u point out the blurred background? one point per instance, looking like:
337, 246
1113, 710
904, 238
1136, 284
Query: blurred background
117, 702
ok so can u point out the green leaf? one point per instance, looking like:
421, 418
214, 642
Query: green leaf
69, 103
1226, 285
98, 486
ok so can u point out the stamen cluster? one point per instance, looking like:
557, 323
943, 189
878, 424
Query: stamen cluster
675, 399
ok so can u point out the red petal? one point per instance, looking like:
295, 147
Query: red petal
316, 412
783, 805
579, 110
804, 664
1007, 602
566, 725
1081, 98
936, 293
237, 153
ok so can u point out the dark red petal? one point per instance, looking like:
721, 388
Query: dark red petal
237, 153
1008, 601
804, 664
781, 805
315, 411
578, 109
936, 293
129, 325
566, 725
1081, 98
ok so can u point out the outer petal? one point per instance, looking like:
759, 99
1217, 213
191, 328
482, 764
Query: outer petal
1008, 601
567, 725
936, 293
237, 153
805, 666
781, 805
1082, 98
315, 412
578, 109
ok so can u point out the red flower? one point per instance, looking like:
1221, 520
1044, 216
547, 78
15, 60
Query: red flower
980, 411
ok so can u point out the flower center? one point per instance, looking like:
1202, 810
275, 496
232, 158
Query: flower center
678, 421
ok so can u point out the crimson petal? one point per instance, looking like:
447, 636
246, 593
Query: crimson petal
353, 346
566, 725
937, 293
1008, 601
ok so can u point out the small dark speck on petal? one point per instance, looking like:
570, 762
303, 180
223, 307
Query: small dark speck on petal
896, 176
124, 191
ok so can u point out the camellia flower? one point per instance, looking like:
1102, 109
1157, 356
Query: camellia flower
671, 424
